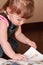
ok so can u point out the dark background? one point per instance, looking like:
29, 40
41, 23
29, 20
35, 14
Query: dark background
33, 31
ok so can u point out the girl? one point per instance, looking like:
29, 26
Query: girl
14, 14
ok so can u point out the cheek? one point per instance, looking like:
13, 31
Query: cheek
13, 19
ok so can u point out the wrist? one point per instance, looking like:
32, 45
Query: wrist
13, 56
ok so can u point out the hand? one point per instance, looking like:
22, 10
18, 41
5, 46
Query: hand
33, 44
20, 57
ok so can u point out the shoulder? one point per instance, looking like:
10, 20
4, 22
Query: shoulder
18, 31
3, 24
4, 20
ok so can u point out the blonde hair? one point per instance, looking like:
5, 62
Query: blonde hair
21, 6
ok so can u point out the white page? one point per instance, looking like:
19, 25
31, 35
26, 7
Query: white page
33, 54
34, 57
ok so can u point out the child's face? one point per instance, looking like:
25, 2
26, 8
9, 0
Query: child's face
16, 19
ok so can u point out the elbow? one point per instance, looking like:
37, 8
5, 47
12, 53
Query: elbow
16, 35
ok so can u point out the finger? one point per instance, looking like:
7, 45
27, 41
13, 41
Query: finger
25, 58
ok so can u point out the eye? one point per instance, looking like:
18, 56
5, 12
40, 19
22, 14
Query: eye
18, 11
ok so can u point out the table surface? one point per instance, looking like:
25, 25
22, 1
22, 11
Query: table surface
6, 62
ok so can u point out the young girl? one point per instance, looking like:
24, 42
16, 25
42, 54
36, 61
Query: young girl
13, 15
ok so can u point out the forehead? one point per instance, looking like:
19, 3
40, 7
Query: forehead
22, 9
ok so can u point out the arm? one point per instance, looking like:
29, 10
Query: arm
22, 38
5, 44
3, 40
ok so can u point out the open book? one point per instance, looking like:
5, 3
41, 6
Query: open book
33, 54
34, 58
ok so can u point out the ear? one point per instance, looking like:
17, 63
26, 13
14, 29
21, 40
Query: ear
8, 10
